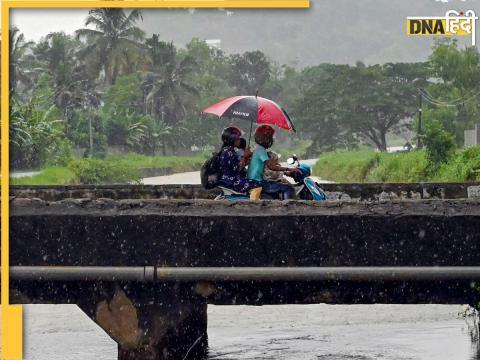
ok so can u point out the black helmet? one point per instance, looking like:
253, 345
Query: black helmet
230, 134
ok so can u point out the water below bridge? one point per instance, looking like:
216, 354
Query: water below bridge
304, 332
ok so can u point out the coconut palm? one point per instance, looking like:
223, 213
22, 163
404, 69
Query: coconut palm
166, 88
73, 86
115, 34
17, 49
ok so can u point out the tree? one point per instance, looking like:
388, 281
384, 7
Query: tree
74, 89
378, 102
114, 41
122, 112
167, 92
318, 111
453, 98
17, 49
249, 72
342, 104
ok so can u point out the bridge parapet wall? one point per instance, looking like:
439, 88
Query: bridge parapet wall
354, 191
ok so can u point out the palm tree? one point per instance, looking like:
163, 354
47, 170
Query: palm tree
115, 34
73, 87
165, 86
17, 48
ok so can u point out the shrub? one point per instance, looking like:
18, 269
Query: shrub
463, 166
439, 144
93, 171
400, 167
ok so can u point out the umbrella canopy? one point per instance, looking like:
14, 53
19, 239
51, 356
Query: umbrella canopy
253, 108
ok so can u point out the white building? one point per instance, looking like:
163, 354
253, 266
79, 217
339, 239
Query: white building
214, 43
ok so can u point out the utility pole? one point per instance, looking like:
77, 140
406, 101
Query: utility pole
90, 130
90, 154
419, 130
164, 145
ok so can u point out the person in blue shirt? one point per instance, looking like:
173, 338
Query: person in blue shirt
260, 159
232, 168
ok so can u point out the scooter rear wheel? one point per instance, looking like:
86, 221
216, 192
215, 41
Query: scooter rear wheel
305, 194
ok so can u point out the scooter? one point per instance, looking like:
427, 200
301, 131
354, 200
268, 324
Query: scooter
305, 186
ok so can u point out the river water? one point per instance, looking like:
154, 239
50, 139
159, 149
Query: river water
303, 332
340, 332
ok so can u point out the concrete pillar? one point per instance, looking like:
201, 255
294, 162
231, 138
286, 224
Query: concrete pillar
174, 328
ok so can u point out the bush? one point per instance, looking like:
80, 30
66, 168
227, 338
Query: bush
439, 144
61, 155
463, 166
93, 171
400, 167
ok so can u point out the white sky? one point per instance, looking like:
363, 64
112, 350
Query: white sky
35, 23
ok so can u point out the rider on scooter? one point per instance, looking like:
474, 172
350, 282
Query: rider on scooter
231, 167
260, 159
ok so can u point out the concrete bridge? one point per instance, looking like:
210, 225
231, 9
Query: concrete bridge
144, 265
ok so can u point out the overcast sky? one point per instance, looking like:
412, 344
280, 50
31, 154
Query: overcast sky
35, 23
335, 31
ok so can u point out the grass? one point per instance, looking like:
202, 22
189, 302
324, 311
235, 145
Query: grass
348, 166
176, 163
48, 176
399, 167
370, 166
113, 169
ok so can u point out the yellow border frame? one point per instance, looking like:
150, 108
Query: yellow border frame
12, 314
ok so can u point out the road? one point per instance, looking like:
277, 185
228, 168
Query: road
194, 177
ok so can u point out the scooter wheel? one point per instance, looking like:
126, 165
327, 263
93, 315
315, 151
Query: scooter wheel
306, 195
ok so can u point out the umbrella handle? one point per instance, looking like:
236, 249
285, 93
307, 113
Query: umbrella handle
250, 136
251, 123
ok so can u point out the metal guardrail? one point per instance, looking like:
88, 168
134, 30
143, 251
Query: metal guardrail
169, 274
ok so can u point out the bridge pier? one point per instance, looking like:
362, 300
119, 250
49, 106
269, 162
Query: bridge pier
148, 321
171, 328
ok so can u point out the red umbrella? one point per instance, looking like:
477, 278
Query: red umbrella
252, 108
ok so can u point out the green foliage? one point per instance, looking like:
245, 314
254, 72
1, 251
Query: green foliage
113, 169
35, 136
399, 167
456, 89
114, 46
49, 176
343, 104
145, 96
439, 144
176, 163
249, 72
463, 166
93, 171
369, 166
125, 124
346, 166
